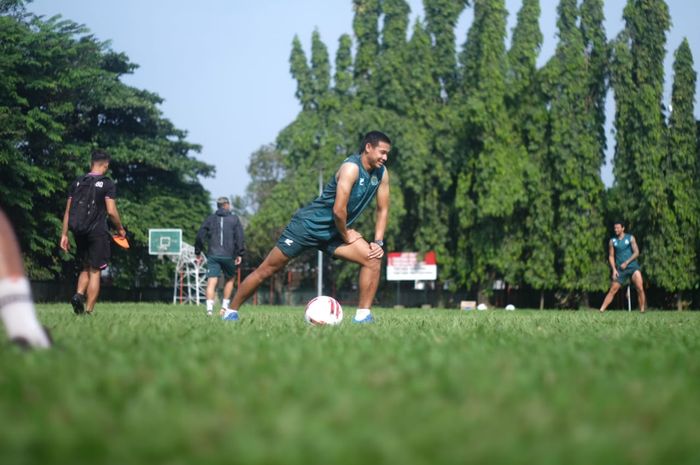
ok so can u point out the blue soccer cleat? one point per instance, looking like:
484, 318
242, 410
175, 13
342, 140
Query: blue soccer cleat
230, 316
367, 319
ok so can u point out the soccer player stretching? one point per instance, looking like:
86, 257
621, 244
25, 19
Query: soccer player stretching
622, 255
324, 225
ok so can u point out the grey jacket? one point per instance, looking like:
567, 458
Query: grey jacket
223, 232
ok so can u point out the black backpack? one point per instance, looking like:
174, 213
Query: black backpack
82, 217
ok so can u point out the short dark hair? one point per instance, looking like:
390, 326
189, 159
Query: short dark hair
373, 138
620, 222
99, 155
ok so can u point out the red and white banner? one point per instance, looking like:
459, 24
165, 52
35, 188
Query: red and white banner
411, 266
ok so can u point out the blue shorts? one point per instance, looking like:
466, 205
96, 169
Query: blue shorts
216, 265
295, 239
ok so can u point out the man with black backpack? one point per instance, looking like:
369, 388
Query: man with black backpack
91, 198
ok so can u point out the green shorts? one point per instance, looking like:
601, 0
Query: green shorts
218, 264
624, 276
295, 239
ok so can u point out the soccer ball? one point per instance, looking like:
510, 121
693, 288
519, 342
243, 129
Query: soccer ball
481, 307
323, 310
510, 307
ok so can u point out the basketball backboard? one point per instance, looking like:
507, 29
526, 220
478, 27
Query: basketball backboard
164, 241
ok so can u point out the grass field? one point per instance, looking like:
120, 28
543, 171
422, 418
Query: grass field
156, 384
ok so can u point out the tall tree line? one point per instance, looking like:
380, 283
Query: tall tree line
496, 162
656, 154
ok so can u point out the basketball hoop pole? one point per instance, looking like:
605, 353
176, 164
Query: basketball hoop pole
629, 299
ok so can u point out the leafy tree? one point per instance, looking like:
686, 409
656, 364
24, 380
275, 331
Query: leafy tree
597, 57
11, 7
641, 148
527, 102
301, 72
441, 19
392, 74
320, 68
681, 169
424, 163
364, 24
490, 190
60, 97
343, 67
266, 170
575, 155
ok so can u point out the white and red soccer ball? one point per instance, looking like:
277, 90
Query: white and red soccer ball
323, 310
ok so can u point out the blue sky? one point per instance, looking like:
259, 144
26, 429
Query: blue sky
222, 66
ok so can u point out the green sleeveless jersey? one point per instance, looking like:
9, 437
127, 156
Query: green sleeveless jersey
317, 217
623, 250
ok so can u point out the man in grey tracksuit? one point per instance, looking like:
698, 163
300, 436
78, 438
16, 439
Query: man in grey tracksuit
224, 234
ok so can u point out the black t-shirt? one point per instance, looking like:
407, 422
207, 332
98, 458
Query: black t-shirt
104, 189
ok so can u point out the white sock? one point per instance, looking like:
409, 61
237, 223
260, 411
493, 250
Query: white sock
210, 305
225, 303
17, 312
362, 313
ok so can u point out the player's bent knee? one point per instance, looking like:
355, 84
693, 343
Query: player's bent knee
374, 264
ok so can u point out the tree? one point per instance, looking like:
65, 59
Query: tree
441, 18
527, 102
266, 170
11, 7
365, 26
301, 72
575, 157
641, 148
597, 57
392, 74
681, 168
60, 97
343, 67
490, 192
320, 68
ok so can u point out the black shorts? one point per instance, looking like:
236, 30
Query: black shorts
94, 249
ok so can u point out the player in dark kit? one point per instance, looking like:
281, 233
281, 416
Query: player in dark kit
91, 198
622, 255
324, 225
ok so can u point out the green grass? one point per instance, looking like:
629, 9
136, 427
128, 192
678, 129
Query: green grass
152, 384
